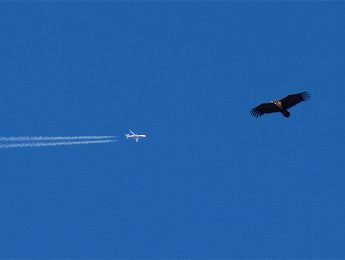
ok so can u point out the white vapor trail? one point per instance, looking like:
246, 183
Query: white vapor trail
52, 138
41, 144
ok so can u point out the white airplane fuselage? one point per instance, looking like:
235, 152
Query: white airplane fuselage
135, 136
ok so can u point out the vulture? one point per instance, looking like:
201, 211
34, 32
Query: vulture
281, 105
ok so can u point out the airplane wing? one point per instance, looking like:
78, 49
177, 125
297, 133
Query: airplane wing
131, 132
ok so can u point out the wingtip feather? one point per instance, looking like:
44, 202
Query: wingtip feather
305, 95
254, 113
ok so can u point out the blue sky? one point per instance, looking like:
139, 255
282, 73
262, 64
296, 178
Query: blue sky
210, 181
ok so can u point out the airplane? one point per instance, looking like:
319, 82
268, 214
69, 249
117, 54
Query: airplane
133, 135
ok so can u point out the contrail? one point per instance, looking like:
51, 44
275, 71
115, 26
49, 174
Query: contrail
41, 144
52, 138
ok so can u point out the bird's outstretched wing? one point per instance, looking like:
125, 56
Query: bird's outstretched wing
294, 99
264, 108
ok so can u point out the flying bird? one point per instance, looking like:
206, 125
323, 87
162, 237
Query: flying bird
281, 105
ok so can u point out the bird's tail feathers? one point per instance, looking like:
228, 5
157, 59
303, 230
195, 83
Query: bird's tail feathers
286, 113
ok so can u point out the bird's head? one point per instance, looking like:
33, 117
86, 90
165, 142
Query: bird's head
277, 103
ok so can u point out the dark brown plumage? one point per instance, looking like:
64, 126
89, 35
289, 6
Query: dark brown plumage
280, 105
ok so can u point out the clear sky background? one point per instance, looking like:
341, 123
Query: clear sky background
209, 181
